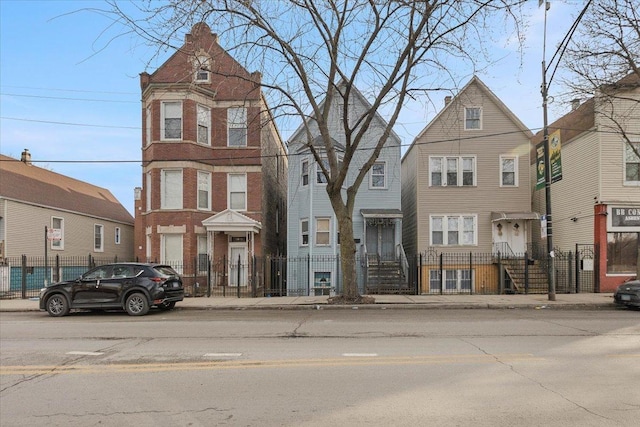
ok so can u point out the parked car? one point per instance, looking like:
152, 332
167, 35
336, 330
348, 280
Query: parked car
628, 294
133, 287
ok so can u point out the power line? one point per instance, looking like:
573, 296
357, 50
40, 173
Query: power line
70, 90
70, 124
291, 155
68, 99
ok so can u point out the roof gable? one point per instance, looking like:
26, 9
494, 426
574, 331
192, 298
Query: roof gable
229, 79
475, 80
34, 185
358, 97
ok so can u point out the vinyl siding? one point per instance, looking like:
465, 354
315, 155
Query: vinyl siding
574, 195
612, 145
25, 233
312, 201
446, 136
409, 220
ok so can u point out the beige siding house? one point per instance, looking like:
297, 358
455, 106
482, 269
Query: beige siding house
465, 180
597, 202
89, 220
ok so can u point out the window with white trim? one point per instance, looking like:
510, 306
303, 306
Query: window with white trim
508, 171
171, 189
632, 163
455, 281
320, 177
203, 257
445, 171
58, 224
321, 283
237, 126
204, 125
203, 68
472, 118
171, 120
117, 236
204, 191
172, 251
304, 232
148, 125
304, 167
148, 190
237, 191
378, 175
98, 238
323, 234
147, 249
453, 230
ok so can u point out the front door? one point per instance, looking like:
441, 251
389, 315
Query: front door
381, 240
238, 264
509, 237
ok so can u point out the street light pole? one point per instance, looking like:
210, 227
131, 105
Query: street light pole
551, 277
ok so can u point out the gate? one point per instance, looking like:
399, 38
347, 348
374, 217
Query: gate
575, 270
585, 268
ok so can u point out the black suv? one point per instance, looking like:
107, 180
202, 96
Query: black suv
134, 287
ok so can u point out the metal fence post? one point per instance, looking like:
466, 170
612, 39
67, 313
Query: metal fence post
238, 275
419, 285
308, 274
56, 273
526, 273
577, 270
24, 277
471, 273
441, 276
208, 276
570, 271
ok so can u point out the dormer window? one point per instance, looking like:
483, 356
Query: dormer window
203, 68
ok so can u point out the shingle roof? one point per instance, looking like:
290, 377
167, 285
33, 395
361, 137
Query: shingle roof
572, 124
32, 184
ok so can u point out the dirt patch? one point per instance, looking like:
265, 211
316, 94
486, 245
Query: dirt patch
360, 299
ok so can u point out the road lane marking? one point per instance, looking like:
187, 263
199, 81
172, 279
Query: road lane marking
258, 364
360, 354
85, 353
222, 354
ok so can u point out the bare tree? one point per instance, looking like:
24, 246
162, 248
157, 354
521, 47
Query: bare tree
392, 50
604, 63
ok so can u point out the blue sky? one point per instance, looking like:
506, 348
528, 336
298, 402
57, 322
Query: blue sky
70, 93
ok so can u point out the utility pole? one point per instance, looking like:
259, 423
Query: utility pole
551, 276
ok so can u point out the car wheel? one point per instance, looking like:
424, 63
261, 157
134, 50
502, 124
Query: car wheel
167, 305
136, 305
57, 305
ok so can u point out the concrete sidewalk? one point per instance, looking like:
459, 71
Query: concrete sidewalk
539, 301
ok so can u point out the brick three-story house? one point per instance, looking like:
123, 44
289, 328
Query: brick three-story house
214, 166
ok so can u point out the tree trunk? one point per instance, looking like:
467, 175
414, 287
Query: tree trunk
348, 250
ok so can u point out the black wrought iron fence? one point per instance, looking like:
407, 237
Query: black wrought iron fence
23, 277
431, 272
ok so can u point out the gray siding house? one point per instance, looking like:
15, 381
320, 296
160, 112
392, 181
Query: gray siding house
465, 183
313, 240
